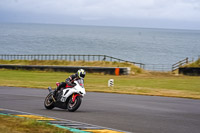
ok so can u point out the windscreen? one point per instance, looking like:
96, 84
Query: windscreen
81, 82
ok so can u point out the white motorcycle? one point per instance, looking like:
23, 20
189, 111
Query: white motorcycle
66, 98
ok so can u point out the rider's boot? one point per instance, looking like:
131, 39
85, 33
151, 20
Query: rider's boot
63, 84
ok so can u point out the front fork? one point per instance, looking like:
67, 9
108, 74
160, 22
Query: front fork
74, 97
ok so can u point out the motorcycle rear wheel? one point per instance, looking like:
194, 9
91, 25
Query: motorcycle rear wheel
48, 102
73, 106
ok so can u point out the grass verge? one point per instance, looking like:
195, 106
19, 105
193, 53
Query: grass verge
155, 84
10, 124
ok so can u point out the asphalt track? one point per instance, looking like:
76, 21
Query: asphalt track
132, 113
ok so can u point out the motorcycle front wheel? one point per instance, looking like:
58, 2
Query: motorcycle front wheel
73, 106
48, 102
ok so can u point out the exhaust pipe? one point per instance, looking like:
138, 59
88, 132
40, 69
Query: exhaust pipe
50, 89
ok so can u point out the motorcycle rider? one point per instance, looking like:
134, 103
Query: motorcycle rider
69, 82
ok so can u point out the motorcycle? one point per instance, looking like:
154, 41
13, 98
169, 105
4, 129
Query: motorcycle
66, 98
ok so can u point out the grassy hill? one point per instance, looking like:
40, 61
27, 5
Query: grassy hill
194, 64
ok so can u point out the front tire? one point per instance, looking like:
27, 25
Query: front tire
73, 106
48, 102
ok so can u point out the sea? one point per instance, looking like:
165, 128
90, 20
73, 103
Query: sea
150, 46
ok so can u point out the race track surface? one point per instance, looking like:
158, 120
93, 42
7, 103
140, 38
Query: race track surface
132, 113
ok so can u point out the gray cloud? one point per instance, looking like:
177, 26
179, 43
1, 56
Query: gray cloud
96, 10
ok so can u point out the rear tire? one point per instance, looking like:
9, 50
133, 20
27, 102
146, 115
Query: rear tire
73, 106
48, 102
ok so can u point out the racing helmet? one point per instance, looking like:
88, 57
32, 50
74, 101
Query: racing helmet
81, 73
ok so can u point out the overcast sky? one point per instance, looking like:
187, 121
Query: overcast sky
178, 14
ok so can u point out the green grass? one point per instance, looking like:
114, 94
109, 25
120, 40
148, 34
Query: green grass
143, 84
10, 124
